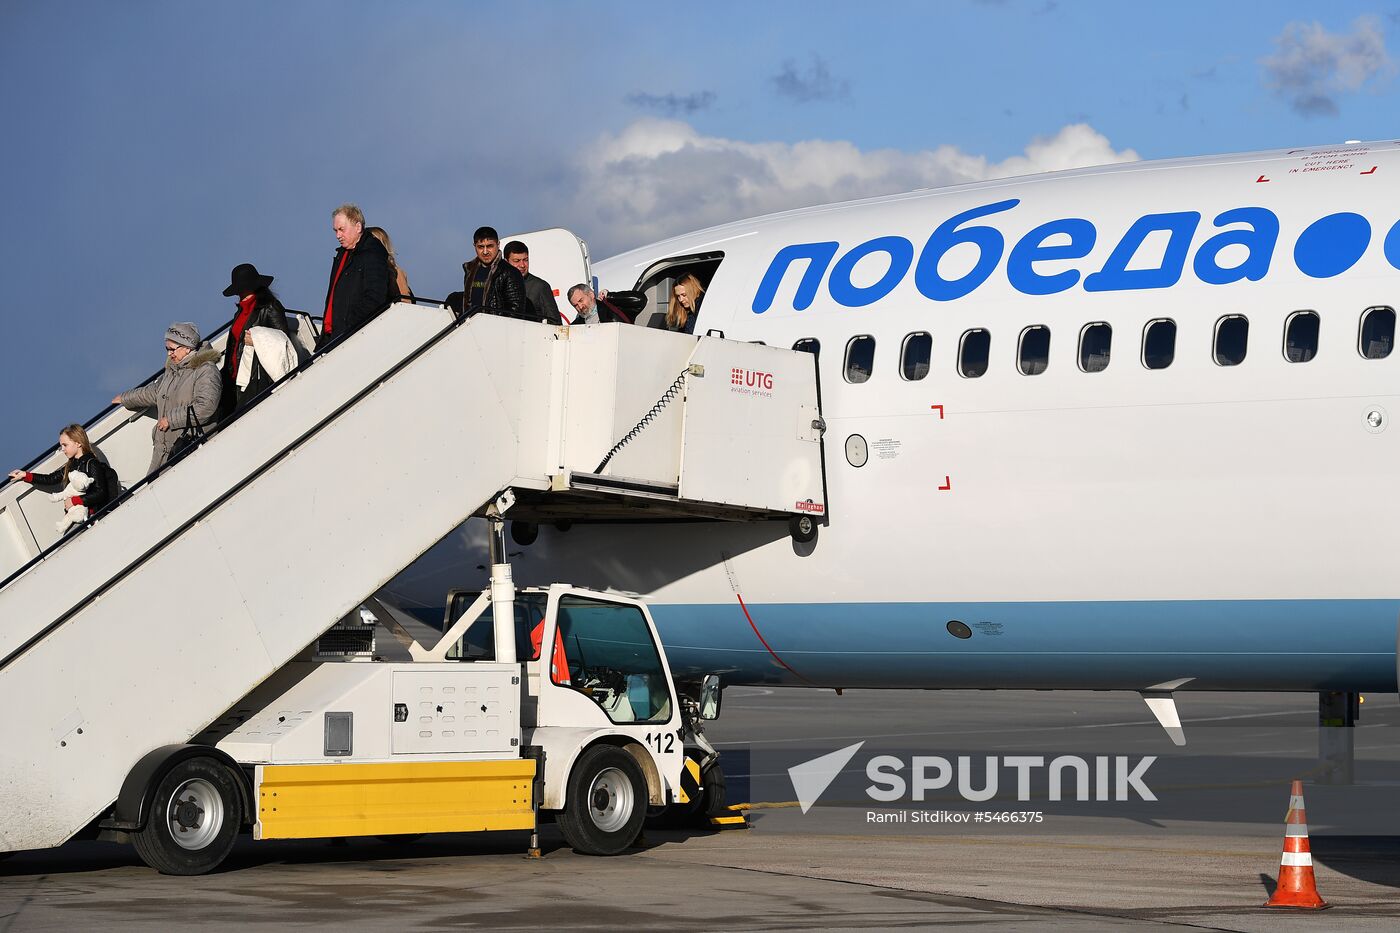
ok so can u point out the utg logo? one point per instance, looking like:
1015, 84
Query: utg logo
751, 379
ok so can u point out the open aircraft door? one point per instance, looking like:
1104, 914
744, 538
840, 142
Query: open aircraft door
558, 257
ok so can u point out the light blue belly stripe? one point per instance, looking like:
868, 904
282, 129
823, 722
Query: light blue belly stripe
1224, 644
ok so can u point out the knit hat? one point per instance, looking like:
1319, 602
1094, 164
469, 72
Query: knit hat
183, 334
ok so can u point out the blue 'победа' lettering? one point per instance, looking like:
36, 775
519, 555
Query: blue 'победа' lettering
1116, 276
950, 233
1327, 247
1020, 265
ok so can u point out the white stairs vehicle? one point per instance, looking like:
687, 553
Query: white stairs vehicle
148, 664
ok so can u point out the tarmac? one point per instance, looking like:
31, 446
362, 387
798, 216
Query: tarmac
1203, 854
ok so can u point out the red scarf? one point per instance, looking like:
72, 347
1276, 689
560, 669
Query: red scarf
330, 298
235, 336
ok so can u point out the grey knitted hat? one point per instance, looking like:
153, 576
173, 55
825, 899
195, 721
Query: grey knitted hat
184, 334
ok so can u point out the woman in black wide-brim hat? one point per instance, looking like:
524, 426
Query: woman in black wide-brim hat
257, 307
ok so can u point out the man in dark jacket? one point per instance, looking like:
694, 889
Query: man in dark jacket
359, 286
490, 284
595, 309
539, 295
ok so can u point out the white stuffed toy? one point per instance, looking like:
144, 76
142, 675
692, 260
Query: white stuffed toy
78, 482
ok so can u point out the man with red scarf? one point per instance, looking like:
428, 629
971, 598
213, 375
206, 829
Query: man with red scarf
359, 286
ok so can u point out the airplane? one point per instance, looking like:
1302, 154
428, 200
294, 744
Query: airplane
1124, 428
1120, 428
1114, 428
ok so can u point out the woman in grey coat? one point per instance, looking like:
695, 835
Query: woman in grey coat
191, 379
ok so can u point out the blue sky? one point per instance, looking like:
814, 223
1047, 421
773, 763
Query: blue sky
153, 145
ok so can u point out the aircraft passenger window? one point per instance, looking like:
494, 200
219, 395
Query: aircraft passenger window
1300, 337
1033, 356
860, 358
1095, 342
1159, 343
808, 345
1231, 339
913, 363
1377, 333
973, 352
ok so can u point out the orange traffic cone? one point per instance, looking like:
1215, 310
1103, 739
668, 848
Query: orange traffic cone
1296, 885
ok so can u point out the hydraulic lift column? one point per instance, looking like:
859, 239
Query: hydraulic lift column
502, 591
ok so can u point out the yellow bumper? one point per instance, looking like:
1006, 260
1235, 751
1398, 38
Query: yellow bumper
310, 801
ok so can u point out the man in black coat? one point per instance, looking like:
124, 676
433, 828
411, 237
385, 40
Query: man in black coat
539, 294
490, 284
359, 286
596, 309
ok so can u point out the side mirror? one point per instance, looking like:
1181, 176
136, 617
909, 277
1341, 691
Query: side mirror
711, 693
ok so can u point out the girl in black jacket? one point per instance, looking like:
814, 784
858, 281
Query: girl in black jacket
74, 443
257, 307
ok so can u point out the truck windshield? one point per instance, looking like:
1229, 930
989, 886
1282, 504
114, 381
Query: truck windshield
611, 658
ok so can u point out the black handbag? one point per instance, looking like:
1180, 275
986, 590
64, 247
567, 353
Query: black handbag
191, 437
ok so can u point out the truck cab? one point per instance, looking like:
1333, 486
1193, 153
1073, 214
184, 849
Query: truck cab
596, 674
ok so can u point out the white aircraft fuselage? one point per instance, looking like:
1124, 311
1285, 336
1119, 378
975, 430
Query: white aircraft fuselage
1228, 524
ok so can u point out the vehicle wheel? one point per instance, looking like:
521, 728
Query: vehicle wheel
607, 797
195, 817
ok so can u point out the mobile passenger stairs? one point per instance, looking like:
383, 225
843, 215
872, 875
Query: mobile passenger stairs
158, 675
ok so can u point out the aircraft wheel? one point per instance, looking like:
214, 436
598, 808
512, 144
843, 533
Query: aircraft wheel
524, 533
697, 812
194, 819
713, 800
606, 802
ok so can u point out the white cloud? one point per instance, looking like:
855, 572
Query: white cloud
1312, 65
657, 178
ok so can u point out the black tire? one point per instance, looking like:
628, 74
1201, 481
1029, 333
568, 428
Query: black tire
194, 819
695, 813
606, 803
714, 797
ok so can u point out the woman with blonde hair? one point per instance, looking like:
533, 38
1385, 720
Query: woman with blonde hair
685, 304
103, 488
398, 279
